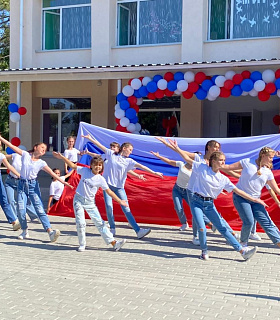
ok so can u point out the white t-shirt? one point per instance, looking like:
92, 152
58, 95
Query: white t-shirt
30, 168
250, 181
208, 182
183, 175
56, 188
2, 157
90, 183
16, 163
72, 154
193, 177
117, 167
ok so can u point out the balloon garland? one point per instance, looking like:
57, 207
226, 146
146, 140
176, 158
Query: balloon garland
256, 84
16, 113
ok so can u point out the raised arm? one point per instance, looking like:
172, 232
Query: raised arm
274, 197
245, 195
232, 167
170, 145
8, 144
164, 159
95, 142
70, 164
10, 167
183, 154
139, 176
158, 174
273, 185
235, 173
55, 176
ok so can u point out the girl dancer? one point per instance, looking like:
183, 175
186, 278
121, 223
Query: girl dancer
117, 167
84, 199
28, 187
71, 153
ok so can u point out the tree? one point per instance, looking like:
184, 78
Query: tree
4, 64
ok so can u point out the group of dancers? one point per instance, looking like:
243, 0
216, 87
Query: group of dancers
199, 182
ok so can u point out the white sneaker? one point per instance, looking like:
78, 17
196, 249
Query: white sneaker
81, 248
204, 256
195, 241
237, 236
16, 225
113, 231
24, 235
143, 232
54, 235
184, 227
119, 244
255, 236
248, 252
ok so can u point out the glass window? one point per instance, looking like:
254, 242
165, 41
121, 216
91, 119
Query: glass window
243, 19
67, 27
55, 3
149, 22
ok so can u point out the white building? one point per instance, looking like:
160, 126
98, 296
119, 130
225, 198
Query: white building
70, 58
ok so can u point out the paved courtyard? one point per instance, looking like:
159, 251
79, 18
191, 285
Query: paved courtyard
159, 277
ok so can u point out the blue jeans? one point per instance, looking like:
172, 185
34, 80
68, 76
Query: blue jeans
179, 194
11, 185
200, 206
4, 202
29, 189
120, 192
81, 204
250, 211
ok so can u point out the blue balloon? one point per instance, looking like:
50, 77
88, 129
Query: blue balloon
274, 93
207, 84
157, 77
121, 97
256, 75
178, 76
247, 85
277, 83
130, 113
137, 94
9, 150
152, 86
172, 85
236, 91
201, 94
124, 104
13, 107
134, 120
143, 91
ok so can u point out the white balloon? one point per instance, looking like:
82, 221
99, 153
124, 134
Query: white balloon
162, 84
210, 98
268, 76
136, 84
139, 101
259, 85
220, 80
131, 127
182, 85
189, 76
253, 93
244, 93
15, 117
214, 91
117, 106
138, 126
124, 122
178, 92
229, 74
120, 113
22, 147
136, 132
146, 80
278, 93
127, 91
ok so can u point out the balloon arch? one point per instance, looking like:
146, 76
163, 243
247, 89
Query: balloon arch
256, 84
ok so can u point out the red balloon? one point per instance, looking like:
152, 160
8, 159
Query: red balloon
270, 87
135, 107
141, 78
276, 120
129, 81
187, 94
117, 120
200, 77
132, 100
228, 84
173, 122
159, 94
168, 76
225, 93
277, 73
22, 111
168, 93
151, 96
193, 87
208, 77
165, 123
263, 95
121, 128
237, 78
15, 141
246, 74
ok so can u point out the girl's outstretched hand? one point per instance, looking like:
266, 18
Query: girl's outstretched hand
57, 155
156, 154
159, 174
261, 202
173, 143
142, 177
123, 203
88, 136
69, 185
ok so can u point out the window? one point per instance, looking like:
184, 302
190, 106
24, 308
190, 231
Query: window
61, 118
66, 24
237, 19
149, 22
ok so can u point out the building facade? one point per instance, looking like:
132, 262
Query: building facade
70, 59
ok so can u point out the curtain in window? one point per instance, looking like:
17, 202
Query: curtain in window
52, 29
76, 26
55, 3
256, 18
127, 23
160, 21
218, 19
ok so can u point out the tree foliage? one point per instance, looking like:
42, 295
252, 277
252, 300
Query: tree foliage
4, 64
